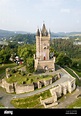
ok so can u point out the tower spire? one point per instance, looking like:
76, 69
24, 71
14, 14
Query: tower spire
44, 30
38, 32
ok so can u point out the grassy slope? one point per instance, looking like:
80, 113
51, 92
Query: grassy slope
3, 67
78, 68
76, 104
1, 106
16, 77
32, 101
78, 82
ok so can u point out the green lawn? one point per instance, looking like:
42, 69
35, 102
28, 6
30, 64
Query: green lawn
76, 104
17, 77
77, 68
3, 67
78, 71
1, 106
78, 82
70, 72
32, 101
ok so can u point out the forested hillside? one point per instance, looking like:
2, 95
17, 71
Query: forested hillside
26, 38
7, 34
67, 47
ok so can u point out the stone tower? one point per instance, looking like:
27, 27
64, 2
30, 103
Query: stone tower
42, 59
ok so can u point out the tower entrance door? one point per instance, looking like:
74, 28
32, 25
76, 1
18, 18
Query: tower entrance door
44, 58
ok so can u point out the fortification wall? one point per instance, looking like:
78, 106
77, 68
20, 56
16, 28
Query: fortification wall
57, 90
49, 102
47, 63
63, 88
24, 88
8, 86
14, 87
48, 82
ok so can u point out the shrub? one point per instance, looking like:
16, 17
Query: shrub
13, 71
27, 79
19, 71
24, 82
23, 73
29, 74
31, 80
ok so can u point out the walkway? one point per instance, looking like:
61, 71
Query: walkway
68, 99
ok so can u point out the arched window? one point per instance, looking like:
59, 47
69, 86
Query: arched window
44, 58
45, 47
46, 68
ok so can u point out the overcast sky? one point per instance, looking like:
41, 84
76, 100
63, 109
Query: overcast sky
28, 15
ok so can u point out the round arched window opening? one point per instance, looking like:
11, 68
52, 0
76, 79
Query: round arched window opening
46, 68
45, 47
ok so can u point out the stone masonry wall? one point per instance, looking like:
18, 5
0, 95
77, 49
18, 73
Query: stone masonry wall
57, 90
9, 87
48, 82
24, 88
63, 88
14, 87
49, 64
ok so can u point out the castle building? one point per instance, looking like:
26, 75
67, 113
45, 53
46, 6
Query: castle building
42, 58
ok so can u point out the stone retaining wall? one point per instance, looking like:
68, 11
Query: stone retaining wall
14, 87
24, 88
8, 86
57, 92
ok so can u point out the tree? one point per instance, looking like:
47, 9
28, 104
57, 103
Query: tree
26, 51
30, 65
63, 60
67, 46
53, 52
4, 56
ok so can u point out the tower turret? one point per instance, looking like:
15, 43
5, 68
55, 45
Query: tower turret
38, 32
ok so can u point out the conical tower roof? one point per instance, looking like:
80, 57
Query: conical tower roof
44, 31
38, 32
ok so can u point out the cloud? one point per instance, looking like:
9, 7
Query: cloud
65, 10
78, 0
2, 2
77, 21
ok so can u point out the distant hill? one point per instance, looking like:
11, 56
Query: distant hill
26, 38
20, 32
5, 33
63, 34
17, 36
